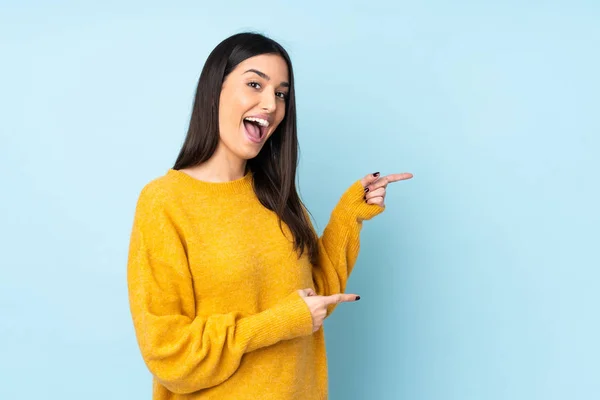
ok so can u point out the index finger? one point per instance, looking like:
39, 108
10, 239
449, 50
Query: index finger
385, 180
340, 298
398, 177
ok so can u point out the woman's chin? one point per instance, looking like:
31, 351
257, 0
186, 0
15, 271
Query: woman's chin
250, 148
249, 152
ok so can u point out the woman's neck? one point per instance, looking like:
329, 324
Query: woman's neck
221, 167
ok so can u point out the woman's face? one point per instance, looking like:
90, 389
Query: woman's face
252, 104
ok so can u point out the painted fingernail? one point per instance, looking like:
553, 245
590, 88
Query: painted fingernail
376, 174
357, 298
366, 189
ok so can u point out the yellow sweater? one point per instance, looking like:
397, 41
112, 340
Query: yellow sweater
213, 290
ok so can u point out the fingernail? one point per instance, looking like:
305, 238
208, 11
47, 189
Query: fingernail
357, 298
366, 189
376, 174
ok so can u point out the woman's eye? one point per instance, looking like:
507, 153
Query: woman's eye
256, 85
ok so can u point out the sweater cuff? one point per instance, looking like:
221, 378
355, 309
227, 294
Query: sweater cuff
352, 205
288, 319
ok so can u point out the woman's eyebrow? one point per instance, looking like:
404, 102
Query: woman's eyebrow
265, 76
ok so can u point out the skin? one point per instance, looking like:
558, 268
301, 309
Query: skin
263, 91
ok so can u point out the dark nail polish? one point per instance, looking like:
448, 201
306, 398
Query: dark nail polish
357, 298
366, 189
376, 174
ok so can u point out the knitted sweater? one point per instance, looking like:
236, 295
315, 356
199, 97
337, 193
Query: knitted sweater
213, 290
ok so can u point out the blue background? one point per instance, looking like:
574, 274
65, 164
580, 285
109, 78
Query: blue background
480, 281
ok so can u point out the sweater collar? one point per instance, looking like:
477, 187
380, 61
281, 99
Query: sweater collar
237, 186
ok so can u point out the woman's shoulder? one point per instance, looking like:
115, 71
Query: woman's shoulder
158, 190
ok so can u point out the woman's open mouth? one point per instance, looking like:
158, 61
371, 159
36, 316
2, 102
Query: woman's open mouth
256, 128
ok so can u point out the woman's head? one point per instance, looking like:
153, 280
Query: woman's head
250, 75
246, 75
252, 104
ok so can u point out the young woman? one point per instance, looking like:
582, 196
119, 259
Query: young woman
228, 282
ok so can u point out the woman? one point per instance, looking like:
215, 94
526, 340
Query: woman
228, 282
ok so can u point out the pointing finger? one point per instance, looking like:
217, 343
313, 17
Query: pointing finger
398, 177
341, 298
385, 180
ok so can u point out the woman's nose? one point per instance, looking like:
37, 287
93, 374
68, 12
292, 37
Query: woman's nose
268, 102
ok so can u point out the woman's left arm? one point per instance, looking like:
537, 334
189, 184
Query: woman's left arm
340, 242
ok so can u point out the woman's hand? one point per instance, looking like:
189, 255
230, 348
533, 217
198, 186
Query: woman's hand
318, 304
375, 186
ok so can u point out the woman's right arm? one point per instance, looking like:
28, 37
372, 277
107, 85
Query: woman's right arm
186, 353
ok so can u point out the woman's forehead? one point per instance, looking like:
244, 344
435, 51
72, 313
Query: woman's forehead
267, 66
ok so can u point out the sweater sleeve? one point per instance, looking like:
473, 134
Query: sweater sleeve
183, 351
340, 242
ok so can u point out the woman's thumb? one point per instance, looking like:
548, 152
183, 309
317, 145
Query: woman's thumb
306, 292
367, 180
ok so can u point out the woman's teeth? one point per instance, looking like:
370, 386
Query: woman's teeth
260, 121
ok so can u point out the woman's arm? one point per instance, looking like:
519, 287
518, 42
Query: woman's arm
340, 243
184, 352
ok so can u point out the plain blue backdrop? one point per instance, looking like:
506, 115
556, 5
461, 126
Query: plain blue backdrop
481, 279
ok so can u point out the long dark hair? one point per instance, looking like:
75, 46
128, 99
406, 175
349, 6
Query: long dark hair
274, 168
